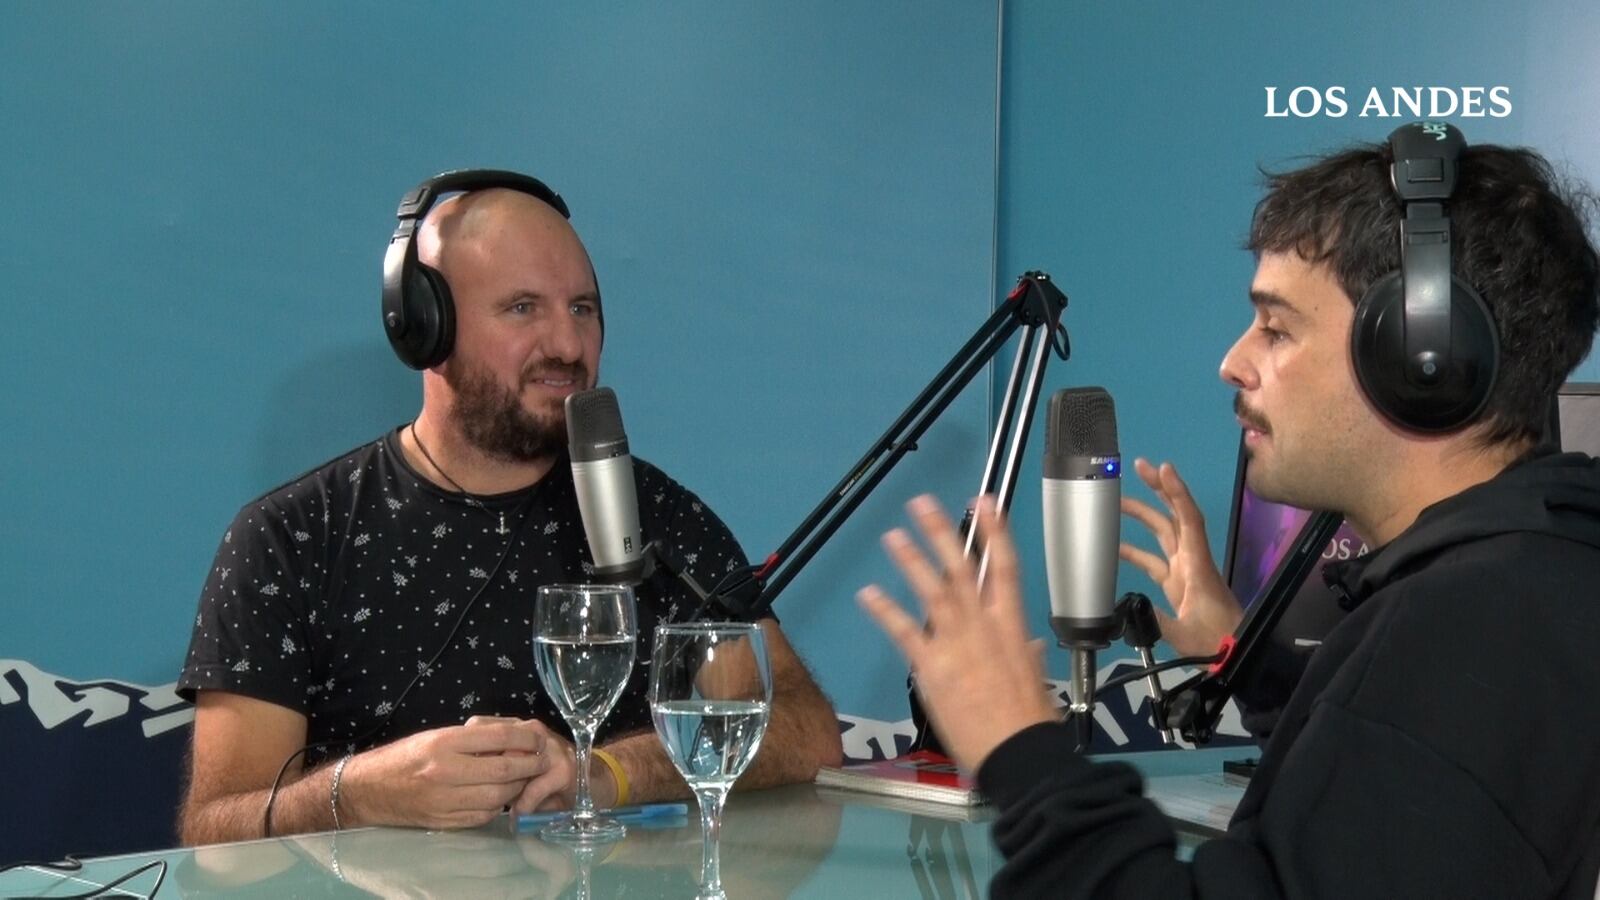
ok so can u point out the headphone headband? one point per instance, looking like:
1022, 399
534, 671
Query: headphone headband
417, 201
1425, 156
1424, 176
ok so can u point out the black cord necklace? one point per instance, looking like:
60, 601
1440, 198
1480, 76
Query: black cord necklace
467, 498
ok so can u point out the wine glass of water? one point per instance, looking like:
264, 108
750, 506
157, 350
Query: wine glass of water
583, 641
710, 696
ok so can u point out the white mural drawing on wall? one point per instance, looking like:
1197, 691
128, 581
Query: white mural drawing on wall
866, 739
54, 700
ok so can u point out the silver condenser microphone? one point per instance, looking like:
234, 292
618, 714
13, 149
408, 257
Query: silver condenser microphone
602, 473
1082, 529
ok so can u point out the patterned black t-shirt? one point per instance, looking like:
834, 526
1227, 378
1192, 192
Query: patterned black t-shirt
329, 595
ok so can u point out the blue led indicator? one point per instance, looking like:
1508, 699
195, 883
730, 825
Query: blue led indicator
1111, 467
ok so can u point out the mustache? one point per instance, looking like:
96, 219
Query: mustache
1249, 416
576, 371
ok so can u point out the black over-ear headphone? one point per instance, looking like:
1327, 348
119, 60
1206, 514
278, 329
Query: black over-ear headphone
419, 315
1425, 346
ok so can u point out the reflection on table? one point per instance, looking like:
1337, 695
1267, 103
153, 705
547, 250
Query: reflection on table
796, 841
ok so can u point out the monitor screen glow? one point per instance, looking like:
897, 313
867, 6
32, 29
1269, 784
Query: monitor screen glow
1260, 531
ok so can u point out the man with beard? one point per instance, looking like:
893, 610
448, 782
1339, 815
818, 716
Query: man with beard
1440, 741
376, 611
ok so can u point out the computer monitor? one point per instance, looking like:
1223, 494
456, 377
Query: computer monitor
1577, 425
1260, 531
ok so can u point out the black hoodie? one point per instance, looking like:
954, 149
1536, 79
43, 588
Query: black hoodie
1444, 741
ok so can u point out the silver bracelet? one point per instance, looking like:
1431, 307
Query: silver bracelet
338, 772
333, 856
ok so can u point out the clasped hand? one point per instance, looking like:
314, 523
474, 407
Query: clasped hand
461, 776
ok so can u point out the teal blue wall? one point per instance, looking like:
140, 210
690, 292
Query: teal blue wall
1130, 143
791, 208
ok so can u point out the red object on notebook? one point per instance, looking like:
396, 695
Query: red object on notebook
923, 775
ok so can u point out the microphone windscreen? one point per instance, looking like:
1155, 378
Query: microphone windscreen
1082, 422
1081, 435
594, 426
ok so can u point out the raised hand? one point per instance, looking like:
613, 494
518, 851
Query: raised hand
980, 676
1205, 611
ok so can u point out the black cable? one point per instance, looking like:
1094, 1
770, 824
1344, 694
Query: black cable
272, 794
71, 864
1083, 729
1135, 675
68, 863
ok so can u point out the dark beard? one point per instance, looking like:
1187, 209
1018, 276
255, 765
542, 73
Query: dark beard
492, 419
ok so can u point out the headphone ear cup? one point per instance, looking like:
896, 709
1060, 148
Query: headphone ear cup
1378, 354
1378, 318
432, 311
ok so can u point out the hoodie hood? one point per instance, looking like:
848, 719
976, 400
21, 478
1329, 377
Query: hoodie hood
1550, 493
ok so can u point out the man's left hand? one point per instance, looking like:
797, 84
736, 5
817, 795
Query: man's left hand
556, 786
980, 676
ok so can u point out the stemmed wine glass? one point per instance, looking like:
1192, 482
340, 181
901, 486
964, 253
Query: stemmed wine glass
583, 641
710, 696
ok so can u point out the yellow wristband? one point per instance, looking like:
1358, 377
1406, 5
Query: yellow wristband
617, 775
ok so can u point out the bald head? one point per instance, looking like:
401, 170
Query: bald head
467, 222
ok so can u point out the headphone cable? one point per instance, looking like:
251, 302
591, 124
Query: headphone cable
272, 793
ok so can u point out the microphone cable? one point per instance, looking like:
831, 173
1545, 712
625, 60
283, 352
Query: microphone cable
70, 864
1082, 722
1137, 674
272, 793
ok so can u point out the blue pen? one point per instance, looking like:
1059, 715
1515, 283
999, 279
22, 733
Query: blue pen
643, 814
